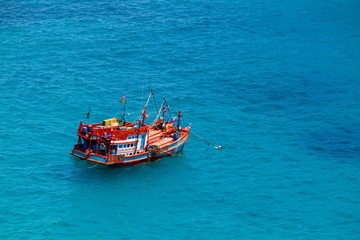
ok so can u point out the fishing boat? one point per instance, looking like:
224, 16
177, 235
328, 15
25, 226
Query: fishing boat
120, 142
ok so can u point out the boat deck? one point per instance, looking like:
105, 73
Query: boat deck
158, 137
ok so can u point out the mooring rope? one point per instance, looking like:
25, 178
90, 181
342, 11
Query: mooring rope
209, 143
217, 146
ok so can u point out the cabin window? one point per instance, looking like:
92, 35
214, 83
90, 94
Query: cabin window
132, 145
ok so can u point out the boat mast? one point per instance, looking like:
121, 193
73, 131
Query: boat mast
168, 107
143, 121
144, 111
163, 113
144, 116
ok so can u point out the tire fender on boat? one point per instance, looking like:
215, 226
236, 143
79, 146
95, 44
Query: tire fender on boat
87, 153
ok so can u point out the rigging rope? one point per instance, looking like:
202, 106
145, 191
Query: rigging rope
158, 115
154, 101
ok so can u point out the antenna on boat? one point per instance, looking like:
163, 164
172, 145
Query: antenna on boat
154, 100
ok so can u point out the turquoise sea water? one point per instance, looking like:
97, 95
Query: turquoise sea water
277, 80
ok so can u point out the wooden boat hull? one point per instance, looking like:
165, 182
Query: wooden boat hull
170, 149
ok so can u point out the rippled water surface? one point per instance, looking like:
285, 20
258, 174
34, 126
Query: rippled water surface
275, 82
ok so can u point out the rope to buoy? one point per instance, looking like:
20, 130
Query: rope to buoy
209, 143
217, 147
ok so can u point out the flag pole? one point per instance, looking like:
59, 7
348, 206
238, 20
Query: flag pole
88, 115
123, 100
